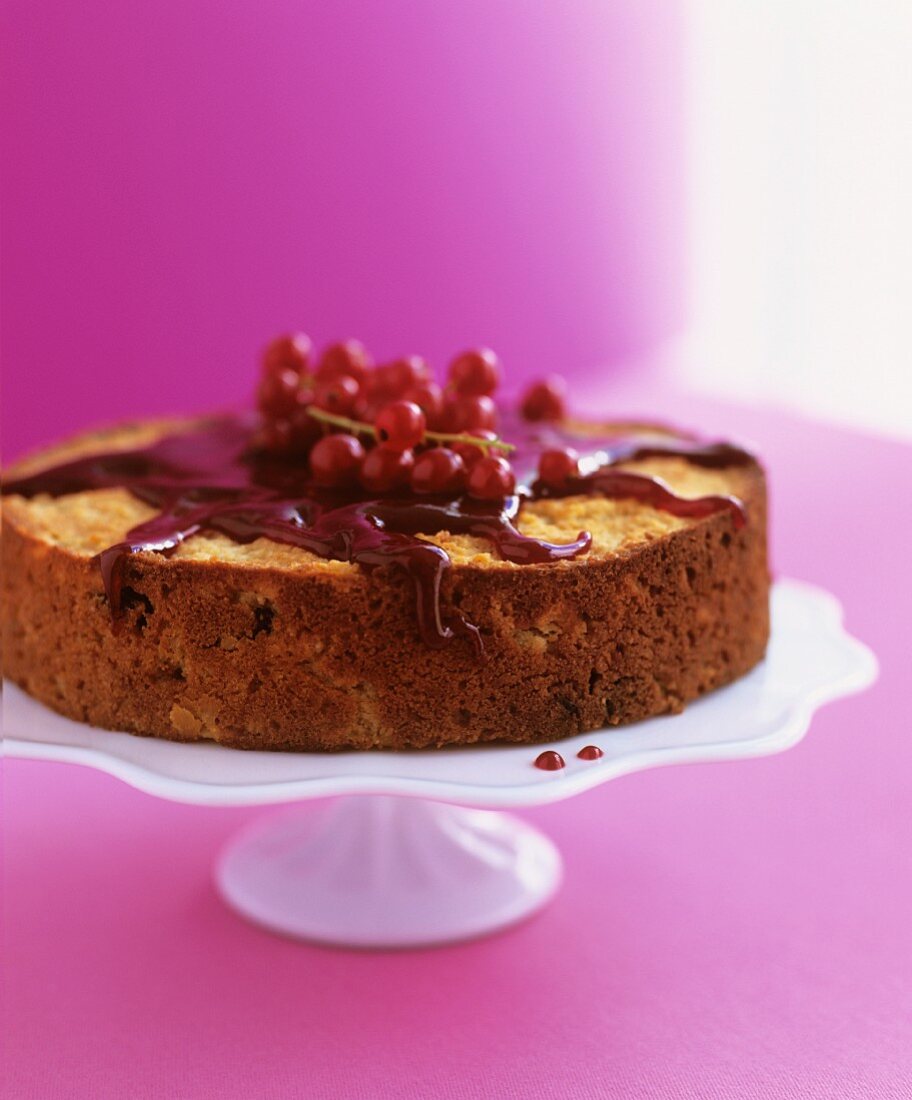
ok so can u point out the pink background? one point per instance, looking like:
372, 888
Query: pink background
183, 180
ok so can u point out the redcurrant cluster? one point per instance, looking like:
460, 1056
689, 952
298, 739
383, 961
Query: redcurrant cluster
392, 426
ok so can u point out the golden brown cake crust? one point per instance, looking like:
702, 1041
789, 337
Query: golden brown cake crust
271, 649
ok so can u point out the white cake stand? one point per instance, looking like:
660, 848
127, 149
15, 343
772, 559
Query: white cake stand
381, 870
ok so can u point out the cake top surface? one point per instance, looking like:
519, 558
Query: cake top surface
87, 521
348, 467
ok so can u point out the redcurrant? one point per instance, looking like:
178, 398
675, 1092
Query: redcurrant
400, 425
475, 373
335, 459
545, 400
305, 430
291, 352
428, 396
491, 478
275, 436
277, 394
470, 453
438, 470
393, 379
383, 469
337, 394
556, 467
350, 357
470, 414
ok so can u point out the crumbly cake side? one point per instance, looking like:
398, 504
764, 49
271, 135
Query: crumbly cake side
268, 646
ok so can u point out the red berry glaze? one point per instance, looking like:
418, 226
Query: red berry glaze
336, 459
438, 470
337, 394
590, 752
545, 400
400, 425
475, 373
556, 467
491, 478
384, 469
290, 352
350, 357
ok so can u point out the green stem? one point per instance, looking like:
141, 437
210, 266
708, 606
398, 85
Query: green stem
358, 427
483, 444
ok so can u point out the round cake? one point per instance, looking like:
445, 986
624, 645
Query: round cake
372, 561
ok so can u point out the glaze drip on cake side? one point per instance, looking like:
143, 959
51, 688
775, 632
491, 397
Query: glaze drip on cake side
210, 479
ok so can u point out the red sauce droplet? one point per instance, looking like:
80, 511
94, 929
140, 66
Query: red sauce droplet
590, 752
549, 761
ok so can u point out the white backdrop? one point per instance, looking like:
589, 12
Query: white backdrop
801, 205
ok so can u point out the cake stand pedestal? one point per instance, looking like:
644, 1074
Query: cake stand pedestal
382, 870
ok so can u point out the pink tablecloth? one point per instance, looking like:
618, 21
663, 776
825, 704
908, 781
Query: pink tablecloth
736, 930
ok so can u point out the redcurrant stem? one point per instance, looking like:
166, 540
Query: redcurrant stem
359, 427
483, 444
356, 427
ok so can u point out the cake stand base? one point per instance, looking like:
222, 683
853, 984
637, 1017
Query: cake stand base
380, 871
